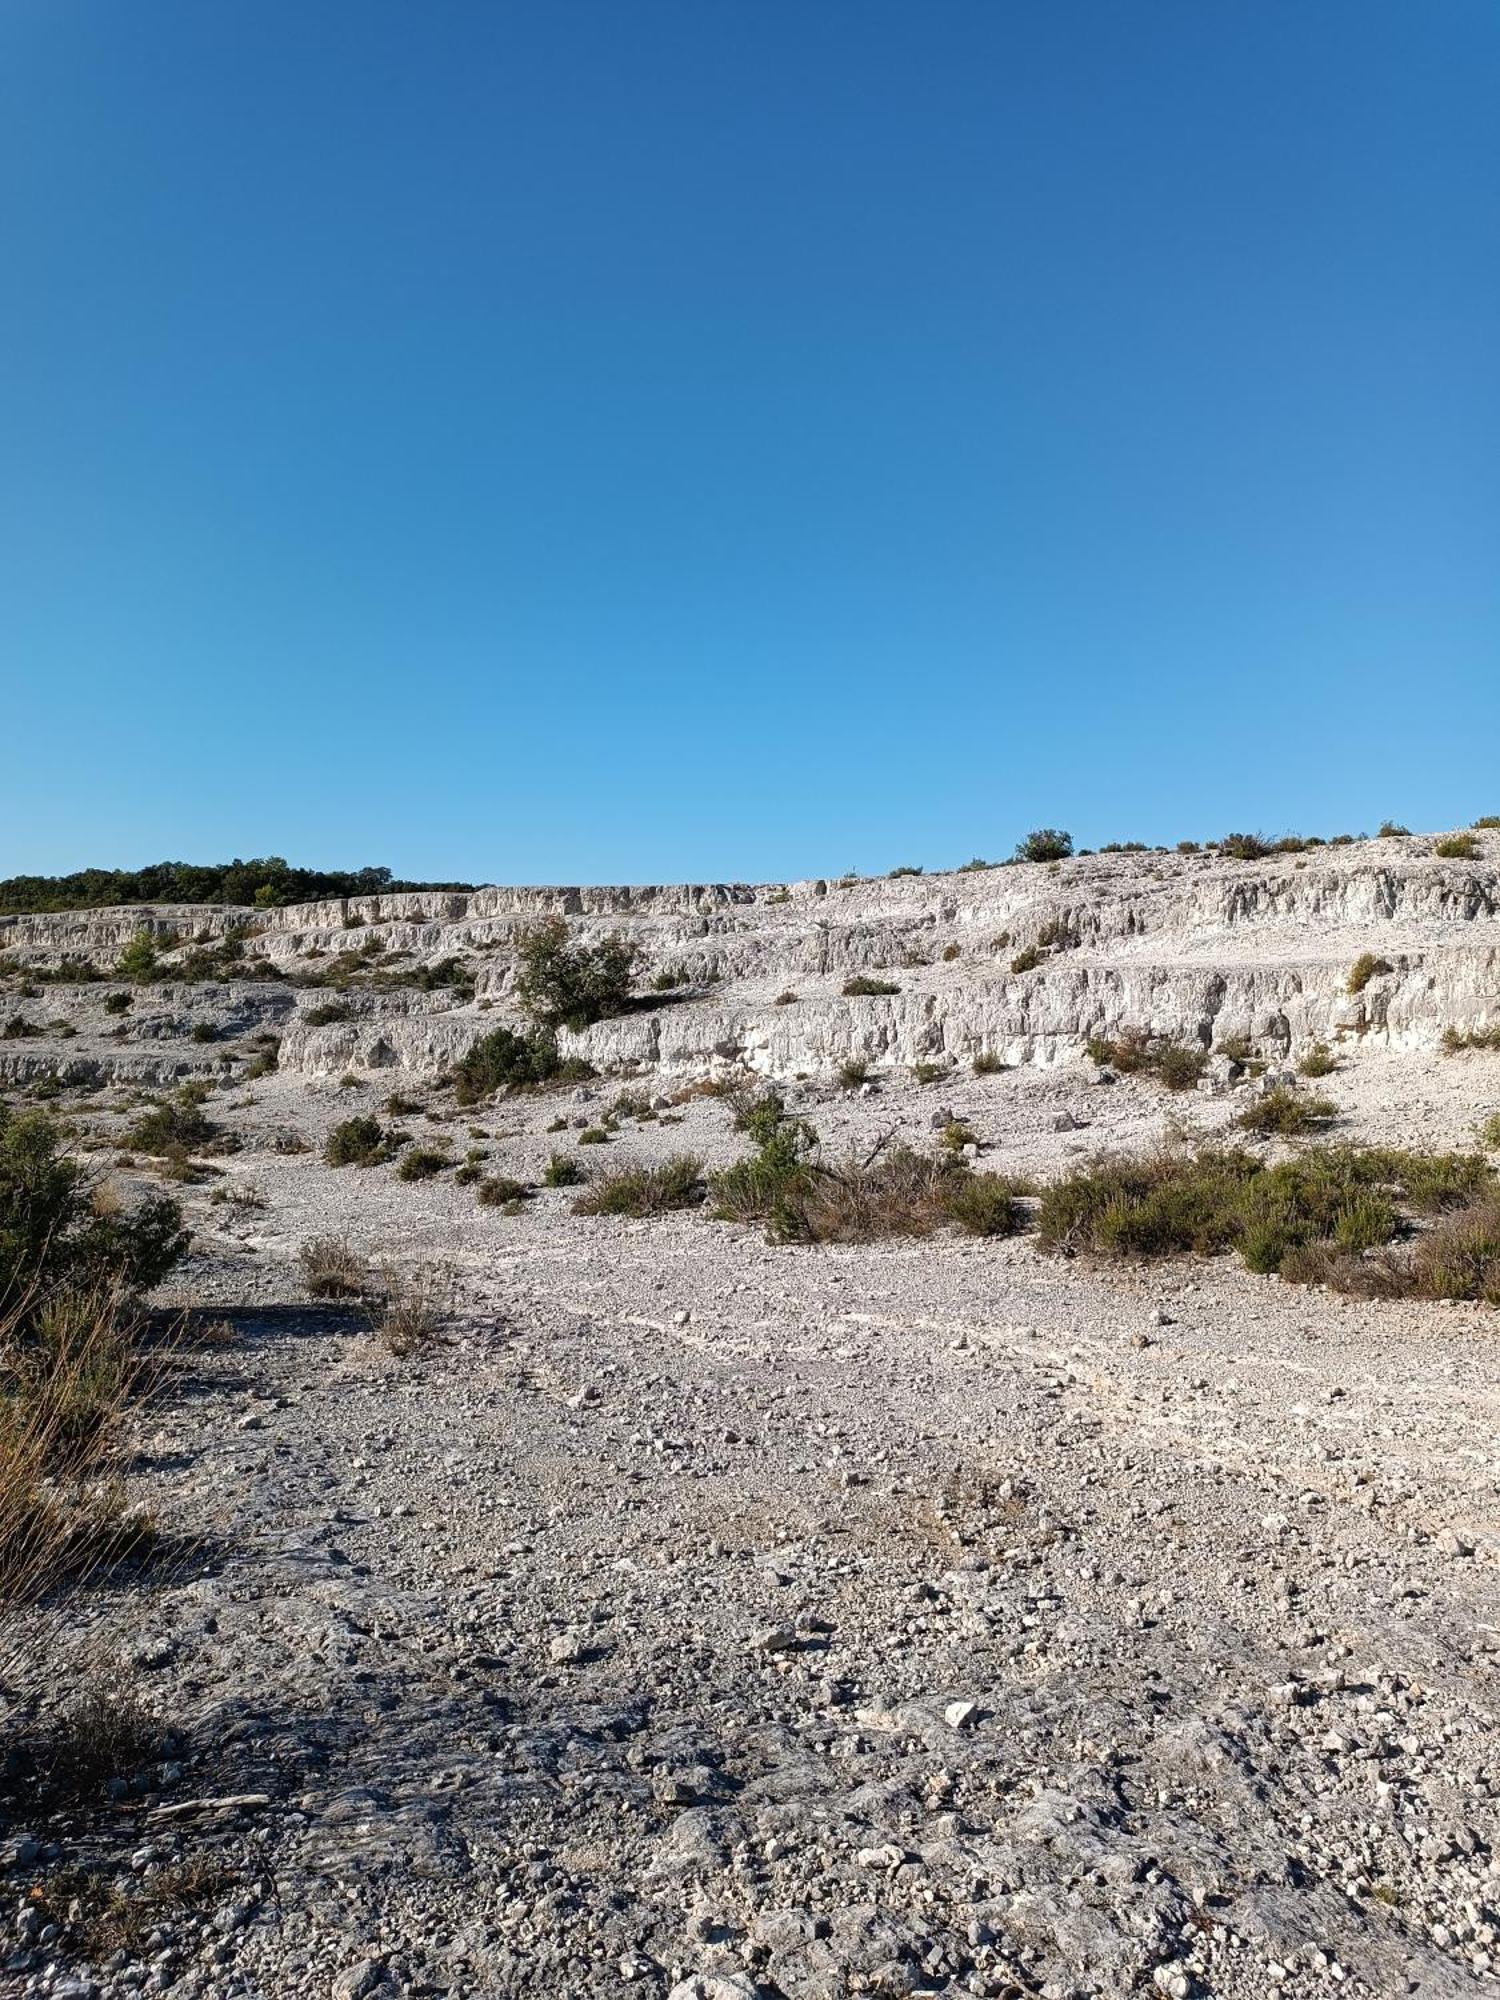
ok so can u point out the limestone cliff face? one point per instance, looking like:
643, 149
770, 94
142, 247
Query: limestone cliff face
1193, 947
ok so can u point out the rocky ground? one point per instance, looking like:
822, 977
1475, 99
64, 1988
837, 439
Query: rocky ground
712, 1617
708, 1619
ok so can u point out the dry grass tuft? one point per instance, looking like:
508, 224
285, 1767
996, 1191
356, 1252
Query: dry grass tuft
419, 1304
333, 1269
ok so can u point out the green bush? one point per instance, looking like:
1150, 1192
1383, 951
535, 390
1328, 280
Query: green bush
422, 1162
1045, 843
1136, 1052
1284, 1112
1489, 1133
761, 1115
1316, 1218
325, 1015
1026, 960
852, 1072
766, 1187
176, 1125
559, 984
117, 1003
357, 1142
1318, 1061
861, 987
1487, 822
1391, 829
984, 1204
138, 959
560, 1171
987, 1063
504, 1060
54, 1232
500, 1191
639, 1191
1458, 847
1245, 846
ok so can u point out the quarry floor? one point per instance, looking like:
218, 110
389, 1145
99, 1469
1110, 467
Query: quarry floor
712, 1618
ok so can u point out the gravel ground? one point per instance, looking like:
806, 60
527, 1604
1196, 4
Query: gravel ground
709, 1618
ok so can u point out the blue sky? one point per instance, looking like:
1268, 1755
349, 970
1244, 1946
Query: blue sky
742, 438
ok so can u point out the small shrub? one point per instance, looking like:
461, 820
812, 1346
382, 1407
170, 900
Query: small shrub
1026, 960
500, 1191
422, 1162
787, 999
104, 1733
138, 959
987, 1063
1391, 829
950, 952
560, 1171
265, 1053
853, 1072
1365, 968
895, 874
767, 1186
117, 1003
861, 987
1284, 1112
175, 1126
1459, 1258
929, 1072
333, 1269
357, 1142
1458, 847
1489, 1133
1135, 1052
954, 1137
18, 1028
1318, 1061
641, 1191
325, 1015
985, 1204
1487, 822
1180, 1068
400, 1106
1245, 846
593, 1135
1046, 843
759, 1116
1457, 1039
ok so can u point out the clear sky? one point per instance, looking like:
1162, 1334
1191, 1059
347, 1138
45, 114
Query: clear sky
636, 439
